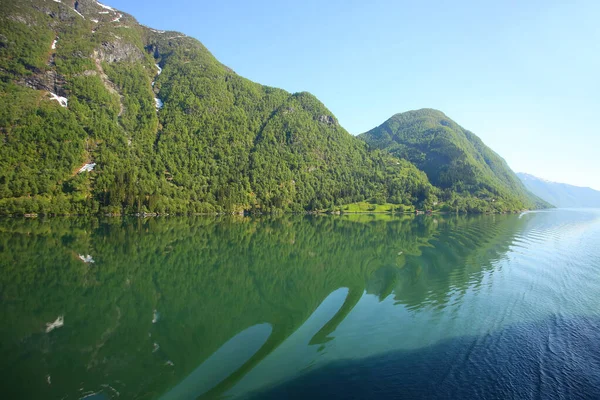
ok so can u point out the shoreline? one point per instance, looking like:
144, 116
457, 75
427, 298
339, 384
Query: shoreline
244, 214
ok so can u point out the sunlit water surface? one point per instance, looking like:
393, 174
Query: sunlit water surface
363, 306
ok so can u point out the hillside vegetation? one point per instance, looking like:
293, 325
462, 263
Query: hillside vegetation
469, 175
169, 128
103, 115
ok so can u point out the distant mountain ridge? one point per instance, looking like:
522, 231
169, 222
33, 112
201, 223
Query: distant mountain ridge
561, 194
454, 159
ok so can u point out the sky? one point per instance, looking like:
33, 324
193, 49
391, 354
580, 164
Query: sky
522, 75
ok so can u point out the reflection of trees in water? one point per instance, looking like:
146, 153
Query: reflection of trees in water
462, 250
210, 279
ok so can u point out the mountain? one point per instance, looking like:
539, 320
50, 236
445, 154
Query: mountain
102, 114
561, 194
469, 174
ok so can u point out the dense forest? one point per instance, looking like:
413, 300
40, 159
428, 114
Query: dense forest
469, 175
103, 115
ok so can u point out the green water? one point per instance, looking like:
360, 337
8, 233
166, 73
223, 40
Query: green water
178, 308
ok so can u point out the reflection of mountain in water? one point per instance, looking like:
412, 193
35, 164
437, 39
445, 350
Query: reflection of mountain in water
456, 258
209, 281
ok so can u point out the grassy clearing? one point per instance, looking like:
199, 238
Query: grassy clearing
365, 207
372, 217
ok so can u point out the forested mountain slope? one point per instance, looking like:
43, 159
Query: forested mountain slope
102, 114
469, 175
561, 194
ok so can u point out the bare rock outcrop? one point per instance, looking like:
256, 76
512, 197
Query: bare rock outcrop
119, 51
45, 80
327, 119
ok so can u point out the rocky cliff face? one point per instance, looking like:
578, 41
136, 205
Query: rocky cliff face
49, 81
119, 50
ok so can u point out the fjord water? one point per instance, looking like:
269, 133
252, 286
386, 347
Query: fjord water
363, 306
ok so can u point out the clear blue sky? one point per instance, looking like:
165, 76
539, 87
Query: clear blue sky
523, 75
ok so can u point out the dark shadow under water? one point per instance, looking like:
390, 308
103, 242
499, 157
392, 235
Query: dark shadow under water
557, 358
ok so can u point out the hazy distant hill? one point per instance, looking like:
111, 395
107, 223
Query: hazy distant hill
561, 194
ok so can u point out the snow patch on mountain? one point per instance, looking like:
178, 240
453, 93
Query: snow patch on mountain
105, 6
78, 13
87, 168
86, 259
61, 100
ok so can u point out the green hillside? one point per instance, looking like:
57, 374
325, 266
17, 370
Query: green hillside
103, 115
168, 127
469, 175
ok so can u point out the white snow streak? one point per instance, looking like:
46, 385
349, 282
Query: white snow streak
87, 259
87, 168
104, 6
159, 102
78, 13
61, 100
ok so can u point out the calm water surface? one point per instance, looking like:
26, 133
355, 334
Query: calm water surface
503, 306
